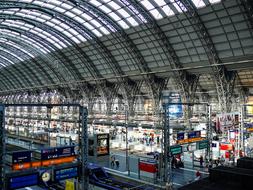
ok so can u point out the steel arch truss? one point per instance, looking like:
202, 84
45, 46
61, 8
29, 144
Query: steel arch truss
224, 79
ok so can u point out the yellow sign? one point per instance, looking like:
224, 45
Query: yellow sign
70, 185
250, 129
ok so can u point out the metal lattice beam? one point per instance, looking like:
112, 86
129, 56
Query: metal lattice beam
224, 79
181, 76
248, 6
66, 62
35, 53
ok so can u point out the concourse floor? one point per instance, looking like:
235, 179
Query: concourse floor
180, 176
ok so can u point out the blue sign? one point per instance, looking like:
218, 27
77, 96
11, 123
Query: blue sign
180, 136
66, 173
23, 181
194, 134
57, 152
176, 110
21, 157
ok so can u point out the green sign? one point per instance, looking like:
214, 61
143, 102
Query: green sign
174, 150
202, 144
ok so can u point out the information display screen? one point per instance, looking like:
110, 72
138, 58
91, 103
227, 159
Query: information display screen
66, 173
174, 150
194, 134
21, 157
23, 181
202, 144
103, 144
180, 136
58, 152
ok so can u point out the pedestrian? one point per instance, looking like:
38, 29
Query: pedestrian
198, 175
117, 164
112, 161
201, 160
222, 160
210, 164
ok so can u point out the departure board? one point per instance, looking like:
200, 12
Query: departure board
57, 152
23, 181
65, 173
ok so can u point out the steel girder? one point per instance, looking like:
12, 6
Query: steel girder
13, 74
5, 82
89, 64
142, 65
180, 76
128, 43
58, 54
17, 68
53, 32
29, 59
131, 90
35, 52
224, 79
91, 67
248, 6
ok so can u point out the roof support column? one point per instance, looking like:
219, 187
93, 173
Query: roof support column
130, 93
189, 96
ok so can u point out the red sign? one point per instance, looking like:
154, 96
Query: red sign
148, 167
226, 147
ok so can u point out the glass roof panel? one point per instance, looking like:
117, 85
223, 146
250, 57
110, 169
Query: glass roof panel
88, 25
199, 3
104, 30
77, 11
214, 1
95, 2
14, 55
155, 13
7, 60
114, 5
105, 9
114, 16
167, 10
96, 23
123, 13
21, 37
132, 21
147, 4
67, 6
160, 2
97, 33
59, 9
123, 24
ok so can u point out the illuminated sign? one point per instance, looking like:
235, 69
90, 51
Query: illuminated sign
58, 161
174, 150
226, 146
194, 134
202, 144
23, 181
58, 152
21, 166
191, 140
36, 164
66, 173
180, 136
102, 136
21, 157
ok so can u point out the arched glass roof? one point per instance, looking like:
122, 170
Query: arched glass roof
114, 39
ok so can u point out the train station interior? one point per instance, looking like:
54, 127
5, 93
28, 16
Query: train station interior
126, 94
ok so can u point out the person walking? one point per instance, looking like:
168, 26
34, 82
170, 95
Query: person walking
112, 161
201, 160
198, 175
